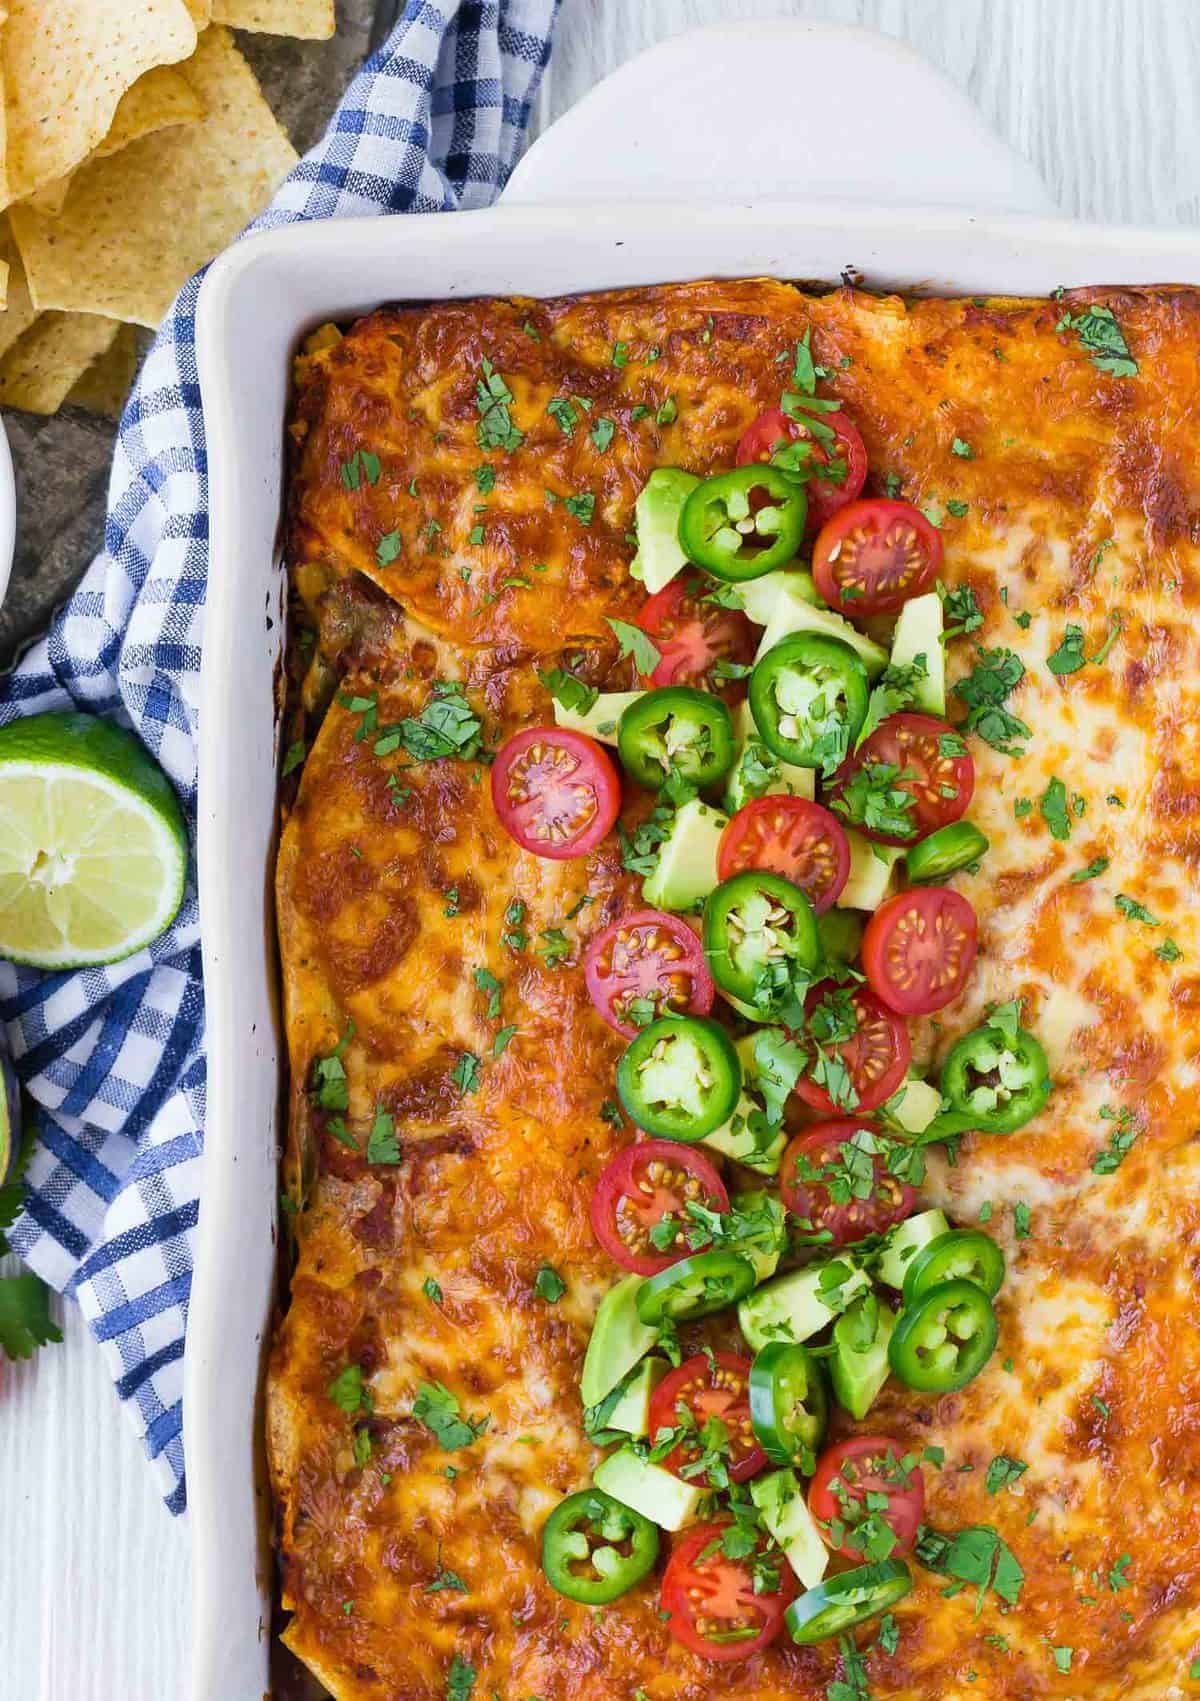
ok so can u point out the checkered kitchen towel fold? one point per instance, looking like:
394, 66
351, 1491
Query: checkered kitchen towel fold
114, 1057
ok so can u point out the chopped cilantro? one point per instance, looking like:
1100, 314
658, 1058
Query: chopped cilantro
1097, 866
1003, 1472
549, 1285
632, 641
976, 1556
347, 1390
432, 1290
294, 758
992, 680
1122, 1137
460, 1681
465, 1073
602, 434
330, 1087
668, 412
1133, 911
1053, 805
1103, 339
486, 981
564, 414
963, 450
568, 689
1069, 657
382, 1145
1168, 952
494, 400
554, 947
362, 464
582, 506
1022, 1222
441, 1414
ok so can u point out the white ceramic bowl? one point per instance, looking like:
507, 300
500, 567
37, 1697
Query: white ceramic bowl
660, 223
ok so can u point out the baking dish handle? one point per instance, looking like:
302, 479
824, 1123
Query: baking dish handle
778, 110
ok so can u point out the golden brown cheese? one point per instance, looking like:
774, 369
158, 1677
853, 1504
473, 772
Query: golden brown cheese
1082, 505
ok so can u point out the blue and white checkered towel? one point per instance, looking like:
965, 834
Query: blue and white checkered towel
114, 1057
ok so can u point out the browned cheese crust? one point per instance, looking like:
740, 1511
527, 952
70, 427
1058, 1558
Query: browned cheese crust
1082, 504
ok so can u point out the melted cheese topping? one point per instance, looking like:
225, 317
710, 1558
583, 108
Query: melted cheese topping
1081, 507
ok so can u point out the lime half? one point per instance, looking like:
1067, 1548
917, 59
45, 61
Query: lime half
93, 848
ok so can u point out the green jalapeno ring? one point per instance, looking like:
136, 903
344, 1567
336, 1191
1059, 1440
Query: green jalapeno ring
680, 1077
840, 1602
943, 1341
808, 698
789, 1405
627, 1547
992, 1082
945, 852
751, 921
677, 729
718, 522
962, 1255
695, 1287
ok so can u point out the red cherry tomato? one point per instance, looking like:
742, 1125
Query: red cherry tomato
709, 1600
922, 749
872, 556
874, 1054
556, 792
653, 959
814, 1163
716, 1386
646, 1184
918, 949
792, 837
693, 636
845, 1475
825, 495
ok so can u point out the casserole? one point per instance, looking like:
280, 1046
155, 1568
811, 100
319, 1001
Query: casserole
256, 303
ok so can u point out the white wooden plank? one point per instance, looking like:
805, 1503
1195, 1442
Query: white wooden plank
1099, 94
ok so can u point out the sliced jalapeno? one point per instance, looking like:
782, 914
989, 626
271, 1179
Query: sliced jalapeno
943, 1340
680, 1077
594, 1548
963, 1255
696, 1286
789, 1407
808, 696
841, 1602
945, 851
743, 523
994, 1080
758, 929
676, 730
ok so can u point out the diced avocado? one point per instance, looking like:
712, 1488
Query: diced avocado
779, 1496
632, 1411
656, 513
619, 1340
914, 1105
734, 1140
757, 771
793, 613
919, 633
840, 933
859, 1371
602, 718
759, 597
791, 1307
872, 876
905, 1241
686, 870
658, 1495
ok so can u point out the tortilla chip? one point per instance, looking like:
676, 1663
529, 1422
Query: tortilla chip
20, 313
161, 98
105, 386
122, 246
40, 369
312, 19
66, 66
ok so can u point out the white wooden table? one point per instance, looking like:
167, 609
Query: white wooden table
1099, 94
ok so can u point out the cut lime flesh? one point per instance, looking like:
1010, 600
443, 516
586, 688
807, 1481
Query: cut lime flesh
93, 848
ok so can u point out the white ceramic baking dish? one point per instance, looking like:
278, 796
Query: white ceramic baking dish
660, 152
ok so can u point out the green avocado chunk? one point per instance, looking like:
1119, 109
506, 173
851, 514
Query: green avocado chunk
619, 1340
656, 512
859, 1367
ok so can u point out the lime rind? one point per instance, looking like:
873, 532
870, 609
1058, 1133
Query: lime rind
93, 847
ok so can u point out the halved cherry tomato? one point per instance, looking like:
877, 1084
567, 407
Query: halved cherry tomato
930, 762
918, 949
872, 556
693, 635
820, 1184
709, 1600
825, 496
647, 964
837, 1496
790, 836
647, 1184
716, 1385
874, 1055
557, 793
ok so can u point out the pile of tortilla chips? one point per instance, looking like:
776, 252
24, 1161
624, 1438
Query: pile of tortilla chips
135, 143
